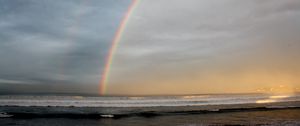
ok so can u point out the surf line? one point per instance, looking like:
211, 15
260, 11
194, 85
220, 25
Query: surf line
114, 46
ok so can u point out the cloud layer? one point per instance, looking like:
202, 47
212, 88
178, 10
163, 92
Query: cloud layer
177, 47
208, 46
56, 46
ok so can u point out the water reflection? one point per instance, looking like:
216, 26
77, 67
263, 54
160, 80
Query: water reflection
273, 98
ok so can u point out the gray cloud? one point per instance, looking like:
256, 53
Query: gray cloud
56, 43
190, 46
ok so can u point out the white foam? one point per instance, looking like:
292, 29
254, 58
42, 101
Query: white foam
197, 100
107, 116
4, 115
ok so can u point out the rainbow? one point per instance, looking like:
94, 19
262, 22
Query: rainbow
114, 46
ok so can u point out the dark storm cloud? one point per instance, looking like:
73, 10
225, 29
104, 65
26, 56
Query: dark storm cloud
51, 43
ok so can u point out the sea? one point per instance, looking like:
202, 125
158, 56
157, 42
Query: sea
175, 110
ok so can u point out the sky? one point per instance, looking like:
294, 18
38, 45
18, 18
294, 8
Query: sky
177, 47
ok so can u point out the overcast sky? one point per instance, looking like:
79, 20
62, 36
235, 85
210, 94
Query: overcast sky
168, 46
209, 46
56, 46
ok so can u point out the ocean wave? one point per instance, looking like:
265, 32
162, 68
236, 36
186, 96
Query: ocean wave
31, 112
119, 107
197, 100
5, 115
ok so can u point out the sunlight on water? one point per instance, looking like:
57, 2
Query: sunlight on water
273, 98
265, 101
279, 96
